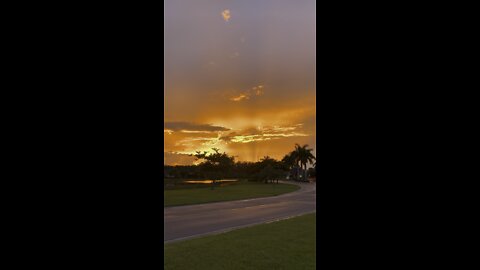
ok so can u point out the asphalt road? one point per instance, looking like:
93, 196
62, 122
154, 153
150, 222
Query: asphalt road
185, 222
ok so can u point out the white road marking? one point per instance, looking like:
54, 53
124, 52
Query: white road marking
234, 228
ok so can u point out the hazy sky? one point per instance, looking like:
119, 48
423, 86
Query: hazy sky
239, 76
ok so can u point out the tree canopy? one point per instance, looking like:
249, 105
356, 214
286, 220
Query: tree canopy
216, 165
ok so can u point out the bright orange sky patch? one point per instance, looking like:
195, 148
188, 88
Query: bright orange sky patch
247, 86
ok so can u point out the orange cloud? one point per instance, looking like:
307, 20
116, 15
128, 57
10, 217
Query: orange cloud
188, 127
226, 15
240, 97
256, 90
263, 134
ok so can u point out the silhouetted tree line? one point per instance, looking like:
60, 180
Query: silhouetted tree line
216, 165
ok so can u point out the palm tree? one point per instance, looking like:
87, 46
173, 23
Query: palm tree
290, 161
304, 156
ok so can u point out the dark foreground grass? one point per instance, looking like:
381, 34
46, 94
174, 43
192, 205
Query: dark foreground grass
226, 193
286, 244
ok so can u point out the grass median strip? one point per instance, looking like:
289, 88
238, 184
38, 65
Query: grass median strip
285, 244
227, 193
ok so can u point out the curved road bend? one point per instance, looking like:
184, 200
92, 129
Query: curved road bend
184, 222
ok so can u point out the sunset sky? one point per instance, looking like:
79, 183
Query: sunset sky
239, 76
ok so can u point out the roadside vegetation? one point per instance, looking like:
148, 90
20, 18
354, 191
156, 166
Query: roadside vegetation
215, 166
245, 179
258, 247
229, 192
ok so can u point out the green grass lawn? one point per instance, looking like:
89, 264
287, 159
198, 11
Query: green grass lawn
286, 244
240, 191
